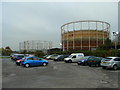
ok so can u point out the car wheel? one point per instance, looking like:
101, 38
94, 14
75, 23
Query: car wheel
65, 61
18, 64
115, 67
97, 65
103, 67
85, 64
89, 65
44, 64
27, 65
69, 61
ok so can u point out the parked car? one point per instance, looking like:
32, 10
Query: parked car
44, 57
18, 62
48, 57
75, 57
17, 56
28, 55
94, 61
110, 62
51, 57
12, 55
60, 57
84, 60
33, 61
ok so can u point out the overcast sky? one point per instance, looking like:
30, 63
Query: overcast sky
42, 20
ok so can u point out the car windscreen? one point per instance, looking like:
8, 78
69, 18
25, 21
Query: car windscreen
59, 56
65, 56
23, 58
70, 56
20, 56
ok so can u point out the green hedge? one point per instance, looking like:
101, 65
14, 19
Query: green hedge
98, 53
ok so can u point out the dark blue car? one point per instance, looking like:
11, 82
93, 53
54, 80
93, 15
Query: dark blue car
34, 61
84, 60
17, 56
60, 57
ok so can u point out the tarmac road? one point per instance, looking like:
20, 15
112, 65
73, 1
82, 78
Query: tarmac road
57, 75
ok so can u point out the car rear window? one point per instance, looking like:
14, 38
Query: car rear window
85, 57
107, 59
91, 58
98, 58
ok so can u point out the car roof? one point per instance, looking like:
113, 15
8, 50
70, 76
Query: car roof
32, 57
112, 57
77, 53
18, 54
89, 56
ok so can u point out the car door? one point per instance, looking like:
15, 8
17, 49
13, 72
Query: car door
40, 61
30, 61
36, 61
74, 58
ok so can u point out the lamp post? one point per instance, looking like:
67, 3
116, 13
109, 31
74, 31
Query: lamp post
60, 46
115, 35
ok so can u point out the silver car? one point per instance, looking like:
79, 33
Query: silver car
110, 62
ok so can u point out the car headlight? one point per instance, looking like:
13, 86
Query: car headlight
18, 61
56, 58
82, 60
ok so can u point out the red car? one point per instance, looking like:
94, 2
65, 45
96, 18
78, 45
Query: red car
18, 62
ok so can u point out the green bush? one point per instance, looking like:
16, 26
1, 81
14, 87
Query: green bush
38, 53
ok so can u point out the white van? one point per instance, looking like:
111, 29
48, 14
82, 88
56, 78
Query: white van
75, 57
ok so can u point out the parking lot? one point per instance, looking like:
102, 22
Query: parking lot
57, 75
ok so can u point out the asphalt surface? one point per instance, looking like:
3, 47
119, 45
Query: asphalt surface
57, 75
